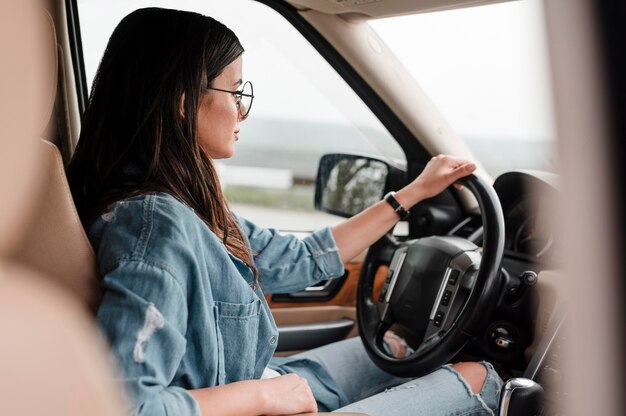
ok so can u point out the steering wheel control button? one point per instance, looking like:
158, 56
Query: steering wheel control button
382, 295
454, 277
445, 300
442, 288
439, 318
394, 277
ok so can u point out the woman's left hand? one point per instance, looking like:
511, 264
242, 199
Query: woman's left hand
440, 172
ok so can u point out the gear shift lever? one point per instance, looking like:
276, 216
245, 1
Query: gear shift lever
520, 397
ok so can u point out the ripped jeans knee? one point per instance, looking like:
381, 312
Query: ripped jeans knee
488, 395
473, 373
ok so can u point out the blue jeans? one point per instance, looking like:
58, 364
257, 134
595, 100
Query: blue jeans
375, 392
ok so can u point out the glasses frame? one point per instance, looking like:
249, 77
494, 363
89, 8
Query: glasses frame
240, 94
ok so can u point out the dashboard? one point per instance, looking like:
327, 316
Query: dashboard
520, 318
528, 203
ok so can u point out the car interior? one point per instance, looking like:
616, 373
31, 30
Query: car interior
475, 273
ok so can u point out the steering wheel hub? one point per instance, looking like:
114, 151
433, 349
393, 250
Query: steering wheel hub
425, 287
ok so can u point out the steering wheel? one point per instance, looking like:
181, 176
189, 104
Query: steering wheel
438, 287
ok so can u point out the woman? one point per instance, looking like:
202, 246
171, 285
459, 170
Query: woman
183, 308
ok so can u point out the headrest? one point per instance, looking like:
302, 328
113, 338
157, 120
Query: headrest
28, 75
50, 51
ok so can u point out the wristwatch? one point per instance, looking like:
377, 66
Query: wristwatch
402, 212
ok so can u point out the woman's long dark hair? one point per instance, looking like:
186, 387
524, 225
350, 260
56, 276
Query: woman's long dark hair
134, 137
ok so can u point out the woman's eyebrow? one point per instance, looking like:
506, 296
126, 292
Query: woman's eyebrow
238, 83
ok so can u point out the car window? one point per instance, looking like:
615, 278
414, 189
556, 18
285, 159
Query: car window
486, 69
302, 109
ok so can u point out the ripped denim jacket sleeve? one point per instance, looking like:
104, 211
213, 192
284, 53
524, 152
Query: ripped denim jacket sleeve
144, 316
146, 263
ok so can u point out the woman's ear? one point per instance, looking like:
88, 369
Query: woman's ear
182, 106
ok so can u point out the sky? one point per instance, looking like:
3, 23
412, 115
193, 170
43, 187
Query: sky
485, 67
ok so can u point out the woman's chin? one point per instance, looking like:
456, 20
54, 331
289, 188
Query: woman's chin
222, 154
228, 154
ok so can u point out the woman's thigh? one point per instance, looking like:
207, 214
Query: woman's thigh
443, 392
352, 369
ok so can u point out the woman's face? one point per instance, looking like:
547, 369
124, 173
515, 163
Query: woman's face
218, 115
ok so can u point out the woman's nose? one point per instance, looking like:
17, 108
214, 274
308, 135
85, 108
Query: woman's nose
245, 111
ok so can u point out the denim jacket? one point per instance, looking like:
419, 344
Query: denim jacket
179, 310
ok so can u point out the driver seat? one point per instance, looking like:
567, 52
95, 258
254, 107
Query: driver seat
54, 245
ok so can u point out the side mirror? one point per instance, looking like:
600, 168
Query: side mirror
348, 184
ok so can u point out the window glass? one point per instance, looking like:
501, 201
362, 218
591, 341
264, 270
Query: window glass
486, 69
302, 110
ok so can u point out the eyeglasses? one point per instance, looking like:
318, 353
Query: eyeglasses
245, 96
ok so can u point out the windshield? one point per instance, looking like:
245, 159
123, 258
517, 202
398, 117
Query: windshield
486, 69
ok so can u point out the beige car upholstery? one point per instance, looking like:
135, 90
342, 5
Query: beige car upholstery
52, 361
18, 126
56, 243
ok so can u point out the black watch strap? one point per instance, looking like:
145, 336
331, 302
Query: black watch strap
402, 212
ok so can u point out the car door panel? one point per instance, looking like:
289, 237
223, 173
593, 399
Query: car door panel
305, 324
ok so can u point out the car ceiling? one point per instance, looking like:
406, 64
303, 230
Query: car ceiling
384, 8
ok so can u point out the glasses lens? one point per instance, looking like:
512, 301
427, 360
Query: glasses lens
246, 98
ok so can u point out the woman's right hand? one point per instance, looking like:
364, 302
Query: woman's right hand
288, 394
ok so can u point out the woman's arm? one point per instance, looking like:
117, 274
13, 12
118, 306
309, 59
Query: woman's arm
288, 264
359, 232
287, 394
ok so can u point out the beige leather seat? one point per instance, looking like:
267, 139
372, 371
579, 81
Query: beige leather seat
51, 359
55, 242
